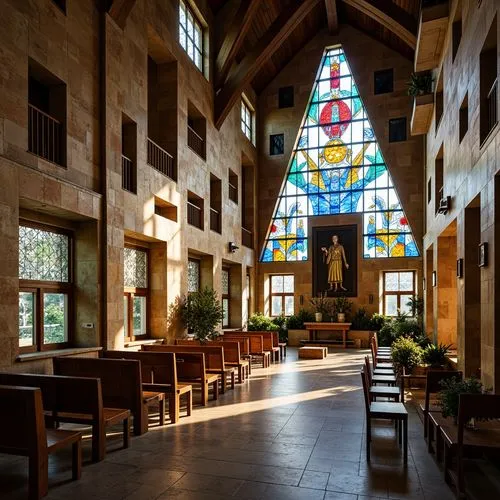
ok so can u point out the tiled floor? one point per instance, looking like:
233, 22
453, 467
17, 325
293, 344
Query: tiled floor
295, 431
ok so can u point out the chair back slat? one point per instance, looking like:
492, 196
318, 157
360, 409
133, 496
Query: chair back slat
214, 355
255, 340
22, 426
366, 390
243, 341
368, 371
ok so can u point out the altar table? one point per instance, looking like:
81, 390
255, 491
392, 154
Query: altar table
315, 327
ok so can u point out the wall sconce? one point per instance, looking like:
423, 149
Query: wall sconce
232, 247
301, 300
483, 255
370, 298
460, 268
434, 278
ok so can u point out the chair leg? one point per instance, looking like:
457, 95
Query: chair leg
173, 407
189, 403
38, 476
204, 393
426, 417
223, 383
76, 467
405, 440
215, 386
98, 443
126, 432
161, 405
241, 374
232, 379
368, 438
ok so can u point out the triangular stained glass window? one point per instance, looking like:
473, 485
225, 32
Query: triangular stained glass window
337, 168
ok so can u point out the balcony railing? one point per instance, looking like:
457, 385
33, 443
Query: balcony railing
233, 193
195, 216
215, 220
128, 181
44, 135
161, 160
247, 237
196, 142
492, 105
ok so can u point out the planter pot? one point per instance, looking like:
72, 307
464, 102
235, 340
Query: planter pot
341, 317
318, 317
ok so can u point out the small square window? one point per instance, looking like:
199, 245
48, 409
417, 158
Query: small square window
463, 118
397, 129
276, 144
286, 97
383, 81
61, 4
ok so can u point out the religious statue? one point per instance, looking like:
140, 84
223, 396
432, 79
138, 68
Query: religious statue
334, 257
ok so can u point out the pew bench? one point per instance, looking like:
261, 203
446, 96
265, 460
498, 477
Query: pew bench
23, 432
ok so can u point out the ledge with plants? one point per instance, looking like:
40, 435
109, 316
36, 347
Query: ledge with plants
420, 88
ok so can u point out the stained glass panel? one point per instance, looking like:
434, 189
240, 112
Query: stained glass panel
337, 168
43, 255
193, 276
225, 282
135, 268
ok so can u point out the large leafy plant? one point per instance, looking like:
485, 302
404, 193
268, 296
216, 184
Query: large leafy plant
420, 84
435, 355
258, 322
406, 353
296, 321
201, 313
452, 388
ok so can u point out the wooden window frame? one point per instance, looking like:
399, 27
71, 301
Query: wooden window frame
227, 296
130, 293
200, 25
40, 287
249, 114
283, 296
385, 293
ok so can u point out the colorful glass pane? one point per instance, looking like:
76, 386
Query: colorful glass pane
337, 168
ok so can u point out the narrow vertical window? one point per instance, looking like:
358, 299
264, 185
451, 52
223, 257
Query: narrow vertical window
193, 275
191, 34
226, 294
247, 120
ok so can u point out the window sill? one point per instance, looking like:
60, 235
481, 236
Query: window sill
35, 356
135, 343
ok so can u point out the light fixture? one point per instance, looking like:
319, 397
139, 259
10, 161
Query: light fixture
232, 247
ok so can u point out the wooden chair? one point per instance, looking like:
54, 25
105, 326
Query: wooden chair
381, 390
22, 432
378, 349
214, 361
232, 356
75, 400
121, 383
378, 378
457, 439
159, 374
191, 370
256, 346
433, 386
382, 361
387, 411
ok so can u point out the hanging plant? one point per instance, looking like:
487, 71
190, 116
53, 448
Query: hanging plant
420, 84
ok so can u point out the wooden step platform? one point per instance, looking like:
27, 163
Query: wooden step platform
313, 352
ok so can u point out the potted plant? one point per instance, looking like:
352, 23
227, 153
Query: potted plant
296, 328
201, 313
435, 355
342, 306
320, 305
452, 388
420, 84
406, 353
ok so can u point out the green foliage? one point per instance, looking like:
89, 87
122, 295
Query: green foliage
260, 323
296, 321
342, 305
321, 304
435, 355
280, 322
406, 353
378, 321
362, 321
408, 327
416, 305
201, 313
420, 84
385, 334
452, 388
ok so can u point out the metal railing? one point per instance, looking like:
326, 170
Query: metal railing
247, 237
215, 220
128, 181
492, 105
196, 142
44, 135
161, 160
195, 216
233, 193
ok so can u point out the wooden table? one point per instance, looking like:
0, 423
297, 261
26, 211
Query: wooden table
314, 328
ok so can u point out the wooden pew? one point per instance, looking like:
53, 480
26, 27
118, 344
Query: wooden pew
159, 373
121, 383
232, 355
271, 343
75, 400
22, 432
244, 349
191, 369
214, 361
256, 346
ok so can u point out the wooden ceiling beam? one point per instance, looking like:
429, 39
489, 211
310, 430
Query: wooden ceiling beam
391, 16
332, 16
248, 68
119, 11
233, 40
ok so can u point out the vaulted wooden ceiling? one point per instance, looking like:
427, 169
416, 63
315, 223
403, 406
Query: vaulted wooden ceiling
255, 39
